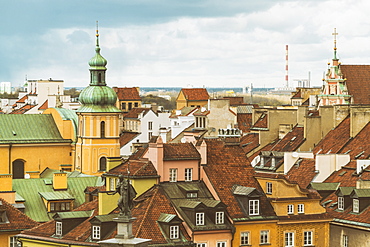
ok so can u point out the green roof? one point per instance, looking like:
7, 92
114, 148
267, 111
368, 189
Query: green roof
166, 217
346, 191
29, 128
362, 192
242, 190
56, 195
73, 214
325, 186
106, 217
35, 207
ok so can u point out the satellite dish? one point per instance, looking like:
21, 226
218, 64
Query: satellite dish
294, 154
27, 176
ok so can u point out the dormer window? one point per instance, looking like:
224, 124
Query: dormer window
219, 217
174, 232
192, 195
301, 208
199, 219
96, 232
254, 207
341, 203
356, 206
58, 228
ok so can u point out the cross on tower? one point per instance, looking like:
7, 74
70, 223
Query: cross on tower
335, 38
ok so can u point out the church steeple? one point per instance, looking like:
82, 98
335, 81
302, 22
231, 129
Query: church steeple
335, 59
97, 65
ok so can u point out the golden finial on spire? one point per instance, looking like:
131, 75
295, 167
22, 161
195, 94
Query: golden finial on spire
335, 38
97, 29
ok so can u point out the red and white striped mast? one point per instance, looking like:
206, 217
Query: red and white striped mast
286, 66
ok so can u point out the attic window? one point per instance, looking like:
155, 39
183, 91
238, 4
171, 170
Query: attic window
199, 219
254, 206
174, 232
96, 232
356, 206
58, 228
192, 195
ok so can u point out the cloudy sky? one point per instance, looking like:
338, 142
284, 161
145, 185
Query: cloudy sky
199, 43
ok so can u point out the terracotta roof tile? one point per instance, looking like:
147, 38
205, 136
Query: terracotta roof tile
359, 146
142, 167
231, 162
358, 82
180, 151
249, 142
261, 122
244, 121
195, 94
44, 106
302, 172
135, 112
23, 99
17, 220
347, 176
297, 95
126, 137
291, 141
23, 109
335, 139
127, 93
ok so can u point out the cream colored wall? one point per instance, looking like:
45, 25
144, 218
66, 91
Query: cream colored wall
220, 116
360, 116
27, 152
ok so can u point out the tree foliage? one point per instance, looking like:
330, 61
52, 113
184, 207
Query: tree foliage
167, 104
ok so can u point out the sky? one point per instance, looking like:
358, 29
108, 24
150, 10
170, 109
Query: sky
177, 43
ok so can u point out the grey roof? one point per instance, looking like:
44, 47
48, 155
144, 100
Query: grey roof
243, 191
325, 186
73, 214
56, 195
166, 217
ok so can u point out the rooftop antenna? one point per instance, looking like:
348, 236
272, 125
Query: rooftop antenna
286, 66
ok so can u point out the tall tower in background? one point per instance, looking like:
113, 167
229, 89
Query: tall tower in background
286, 67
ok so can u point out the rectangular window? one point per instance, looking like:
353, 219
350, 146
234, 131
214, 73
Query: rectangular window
192, 195
150, 125
199, 219
289, 239
129, 106
173, 174
150, 134
340, 203
221, 244
174, 232
345, 241
219, 217
268, 188
62, 206
244, 238
254, 206
136, 104
356, 205
264, 237
290, 209
111, 184
52, 206
68, 206
58, 228
308, 238
201, 244
14, 242
123, 106
300, 208
96, 232
188, 174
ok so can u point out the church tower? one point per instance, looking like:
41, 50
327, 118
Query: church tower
98, 120
334, 91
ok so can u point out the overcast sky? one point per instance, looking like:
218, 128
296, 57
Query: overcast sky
199, 43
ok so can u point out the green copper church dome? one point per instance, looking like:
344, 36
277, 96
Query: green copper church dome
98, 97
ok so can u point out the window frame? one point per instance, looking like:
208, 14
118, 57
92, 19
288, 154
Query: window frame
220, 218
173, 175
254, 207
188, 174
199, 219
356, 205
340, 202
289, 239
58, 228
174, 232
221, 244
308, 238
264, 237
201, 244
290, 208
95, 232
245, 238
300, 208
345, 239
268, 188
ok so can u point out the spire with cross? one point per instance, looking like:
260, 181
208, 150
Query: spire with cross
335, 43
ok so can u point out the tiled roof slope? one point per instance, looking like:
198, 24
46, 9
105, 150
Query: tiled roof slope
29, 128
180, 151
359, 146
185, 111
227, 166
358, 82
143, 167
261, 122
302, 172
234, 101
127, 93
23, 99
249, 142
335, 139
244, 121
23, 109
149, 207
297, 95
347, 176
291, 141
135, 112
195, 93
126, 137
17, 220
44, 106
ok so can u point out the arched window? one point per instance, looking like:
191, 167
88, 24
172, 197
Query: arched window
18, 169
102, 164
102, 129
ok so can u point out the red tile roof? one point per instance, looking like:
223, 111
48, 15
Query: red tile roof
359, 146
17, 220
23, 109
335, 139
138, 168
261, 122
195, 94
127, 93
244, 121
180, 151
126, 137
297, 95
358, 82
291, 141
23, 99
249, 142
302, 172
347, 176
227, 166
135, 112
44, 106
